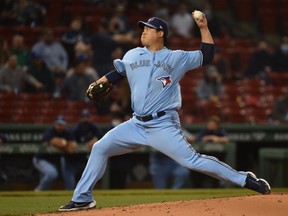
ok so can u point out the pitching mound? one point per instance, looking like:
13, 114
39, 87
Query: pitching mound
275, 204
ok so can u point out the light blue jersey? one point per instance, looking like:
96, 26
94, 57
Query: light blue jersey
154, 77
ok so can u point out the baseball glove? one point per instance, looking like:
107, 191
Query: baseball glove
96, 91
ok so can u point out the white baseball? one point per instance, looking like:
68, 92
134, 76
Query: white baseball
197, 14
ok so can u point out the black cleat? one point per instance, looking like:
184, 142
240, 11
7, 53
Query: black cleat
75, 206
259, 185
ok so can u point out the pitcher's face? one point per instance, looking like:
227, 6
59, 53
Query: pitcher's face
150, 36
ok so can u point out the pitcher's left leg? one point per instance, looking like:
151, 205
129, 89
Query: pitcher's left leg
170, 140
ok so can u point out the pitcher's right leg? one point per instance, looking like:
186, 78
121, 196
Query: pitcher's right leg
122, 139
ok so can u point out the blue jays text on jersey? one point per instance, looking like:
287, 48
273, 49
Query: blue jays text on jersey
146, 63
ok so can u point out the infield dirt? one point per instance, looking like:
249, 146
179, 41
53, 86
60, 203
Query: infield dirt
268, 205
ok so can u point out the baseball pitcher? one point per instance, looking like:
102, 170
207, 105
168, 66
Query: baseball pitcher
153, 72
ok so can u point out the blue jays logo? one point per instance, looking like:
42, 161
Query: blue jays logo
165, 80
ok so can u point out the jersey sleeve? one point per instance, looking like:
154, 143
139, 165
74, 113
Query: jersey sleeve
119, 66
191, 59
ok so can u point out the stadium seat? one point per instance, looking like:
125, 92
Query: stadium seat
93, 22
79, 3
234, 117
267, 3
284, 23
5, 112
283, 3
220, 4
244, 10
256, 116
268, 20
278, 79
102, 118
5, 117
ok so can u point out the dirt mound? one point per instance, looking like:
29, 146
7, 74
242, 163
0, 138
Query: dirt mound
269, 205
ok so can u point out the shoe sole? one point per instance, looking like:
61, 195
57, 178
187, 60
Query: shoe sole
90, 206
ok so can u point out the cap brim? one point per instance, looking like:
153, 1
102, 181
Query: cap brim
141, 25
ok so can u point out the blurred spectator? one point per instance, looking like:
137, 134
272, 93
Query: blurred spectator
88, 70
120, 100
210, 86
104, 48
280, 108
38, 69
260, 62
120, 165
75, 85
3, 51
86, 131
13, 78
3, 138
117, 117
18, 48
61, 138
212, 132
280, 58
182, 22
82, 48
52, 53
118, 23
73, 38
160, 9
214, 25
237, 69
120, 30
221, 64
8, 12
167, 173
30, 13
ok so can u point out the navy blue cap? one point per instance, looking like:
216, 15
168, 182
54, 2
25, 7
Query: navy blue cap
60, 120
155, 23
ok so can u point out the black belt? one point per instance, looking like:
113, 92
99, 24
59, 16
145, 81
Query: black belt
150, 117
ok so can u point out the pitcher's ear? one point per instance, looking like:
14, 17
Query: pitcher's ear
161, 33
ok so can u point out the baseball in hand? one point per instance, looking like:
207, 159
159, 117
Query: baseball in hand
197, 14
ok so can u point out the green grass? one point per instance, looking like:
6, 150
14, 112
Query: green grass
29, 203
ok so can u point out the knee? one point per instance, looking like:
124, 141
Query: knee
100, 147
96, 149
52, 174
